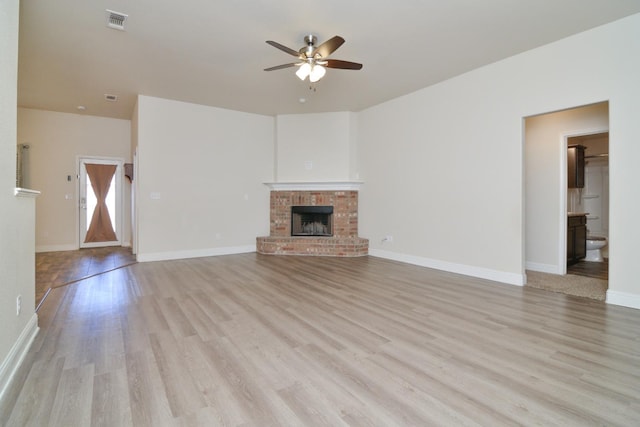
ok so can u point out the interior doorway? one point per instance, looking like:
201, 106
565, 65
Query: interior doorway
592, 199
549, 202
101, 201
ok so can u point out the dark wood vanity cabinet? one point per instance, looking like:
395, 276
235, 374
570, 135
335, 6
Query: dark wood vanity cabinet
575, 166
576, 238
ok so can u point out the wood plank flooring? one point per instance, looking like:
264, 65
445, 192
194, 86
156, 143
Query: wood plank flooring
596, 270
54, 269
255, 340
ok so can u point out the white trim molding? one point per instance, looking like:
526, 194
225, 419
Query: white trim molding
197, 253
315, 186
57, 248
17, 354
624, 299
543, 268
466, 270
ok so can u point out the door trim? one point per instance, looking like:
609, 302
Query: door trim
564, 191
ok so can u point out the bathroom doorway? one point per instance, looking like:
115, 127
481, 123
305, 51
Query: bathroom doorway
548, 200
593, 200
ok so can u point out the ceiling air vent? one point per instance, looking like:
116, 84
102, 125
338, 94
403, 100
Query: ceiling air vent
116, 20
110, 98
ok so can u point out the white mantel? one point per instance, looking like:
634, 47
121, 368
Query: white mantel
315, 186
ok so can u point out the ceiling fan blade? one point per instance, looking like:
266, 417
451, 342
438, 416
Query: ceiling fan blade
345, 65
280, 67
328, 47
283, 48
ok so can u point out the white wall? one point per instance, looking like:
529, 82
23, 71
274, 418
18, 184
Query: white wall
545, 153
443, 177
200, 179
17, 259
452, 155
56, 140
316, 147
134, 186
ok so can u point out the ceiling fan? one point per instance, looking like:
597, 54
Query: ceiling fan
312, 59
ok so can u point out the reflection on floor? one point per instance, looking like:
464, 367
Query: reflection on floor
597, 270
54, 269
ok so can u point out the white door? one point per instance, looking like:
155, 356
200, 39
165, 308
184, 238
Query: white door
100, 197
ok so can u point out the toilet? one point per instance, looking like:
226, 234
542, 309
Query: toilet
594, 248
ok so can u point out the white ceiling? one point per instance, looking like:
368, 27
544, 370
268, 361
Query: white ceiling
214, 52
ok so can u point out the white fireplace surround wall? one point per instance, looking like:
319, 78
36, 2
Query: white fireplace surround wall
315, 186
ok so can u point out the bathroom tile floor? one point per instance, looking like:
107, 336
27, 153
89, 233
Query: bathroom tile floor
597, 270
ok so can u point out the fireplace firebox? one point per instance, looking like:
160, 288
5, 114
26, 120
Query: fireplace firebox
311, 220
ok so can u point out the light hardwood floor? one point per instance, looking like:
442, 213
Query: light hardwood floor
252, 340
54, 269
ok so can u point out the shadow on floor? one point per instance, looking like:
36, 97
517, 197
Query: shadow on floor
54, 269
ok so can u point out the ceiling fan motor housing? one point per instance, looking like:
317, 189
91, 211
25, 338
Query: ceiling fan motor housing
308, 50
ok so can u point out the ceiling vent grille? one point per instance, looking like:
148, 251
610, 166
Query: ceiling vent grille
110, 98
116, 20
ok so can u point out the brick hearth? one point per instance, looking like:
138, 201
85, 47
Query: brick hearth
344, 242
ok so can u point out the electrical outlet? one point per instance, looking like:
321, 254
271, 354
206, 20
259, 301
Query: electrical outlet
387, 239
18, 305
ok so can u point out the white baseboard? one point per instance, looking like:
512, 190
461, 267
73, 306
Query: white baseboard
62, 248
17, 354
199, 253
623, 298
56, 248
543, 268
467, 270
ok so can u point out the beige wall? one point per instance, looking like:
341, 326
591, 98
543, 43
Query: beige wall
451, 155
200, 179
315, 147
56, 140
17, 260
545, 153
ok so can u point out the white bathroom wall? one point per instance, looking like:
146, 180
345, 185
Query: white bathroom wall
595, 197
200, 178
316, 147
444, 167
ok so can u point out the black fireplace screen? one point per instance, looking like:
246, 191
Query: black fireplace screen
311, 220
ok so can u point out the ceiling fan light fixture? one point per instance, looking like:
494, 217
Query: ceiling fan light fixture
317, 72
304, 71
313, 62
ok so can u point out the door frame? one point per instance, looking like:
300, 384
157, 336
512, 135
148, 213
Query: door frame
564, 191
119, 162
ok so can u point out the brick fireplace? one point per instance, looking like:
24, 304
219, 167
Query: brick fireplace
341, 239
